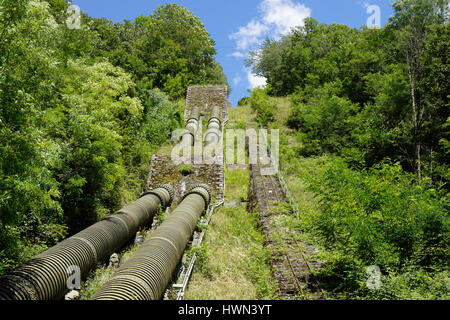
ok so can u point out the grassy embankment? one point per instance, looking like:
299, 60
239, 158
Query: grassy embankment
233, 262
358, 218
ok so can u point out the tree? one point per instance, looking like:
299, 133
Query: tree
76, 131
29, 192
411, 20
171, 49
435, 87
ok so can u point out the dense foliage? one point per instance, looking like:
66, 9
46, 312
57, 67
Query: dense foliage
169, 49
373, 104
264, 109
82, 111
368, 93
379, 217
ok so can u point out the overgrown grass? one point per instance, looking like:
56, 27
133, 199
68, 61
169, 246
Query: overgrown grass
186, 169
233, 263
348, 221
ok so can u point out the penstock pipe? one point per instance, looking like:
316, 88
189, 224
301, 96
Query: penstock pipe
45, 277
147, 273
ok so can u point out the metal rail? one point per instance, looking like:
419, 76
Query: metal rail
292, 202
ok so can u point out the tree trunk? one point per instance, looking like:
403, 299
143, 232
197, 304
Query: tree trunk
417, 145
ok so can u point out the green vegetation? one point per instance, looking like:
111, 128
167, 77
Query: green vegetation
371, 217
99, 276
368, 94
82, 111
365, 147
364, 120
169, 49
378, 217
259, 103
233, 263
186, 169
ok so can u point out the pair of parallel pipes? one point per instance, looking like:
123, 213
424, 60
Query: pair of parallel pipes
147, 273
212, 135
192, 124
46, 276
214, 132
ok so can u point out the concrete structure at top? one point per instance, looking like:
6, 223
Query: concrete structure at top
206, 98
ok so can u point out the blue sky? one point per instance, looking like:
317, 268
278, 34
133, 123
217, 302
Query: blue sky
238, 26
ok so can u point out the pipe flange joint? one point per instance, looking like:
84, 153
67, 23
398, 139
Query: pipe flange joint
215, 118
187, 132
169, 190
195, 190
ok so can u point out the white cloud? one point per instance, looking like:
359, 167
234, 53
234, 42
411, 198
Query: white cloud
238, 54
283, 15
255, 81
237, 79
277, 18
249, 35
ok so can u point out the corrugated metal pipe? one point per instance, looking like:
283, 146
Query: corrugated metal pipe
213, 134
188, 136
46, 276
147, 273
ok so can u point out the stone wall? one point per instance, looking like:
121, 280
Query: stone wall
206, 98
164, 170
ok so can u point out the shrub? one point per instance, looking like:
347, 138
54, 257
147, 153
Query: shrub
378, 217
260, 102
187, 170
325, 120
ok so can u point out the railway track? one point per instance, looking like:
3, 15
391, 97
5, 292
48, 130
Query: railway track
290, 266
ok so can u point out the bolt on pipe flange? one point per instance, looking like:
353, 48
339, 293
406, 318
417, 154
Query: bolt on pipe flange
203, 190
192, 126
159, 190
45, 276
171, 192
